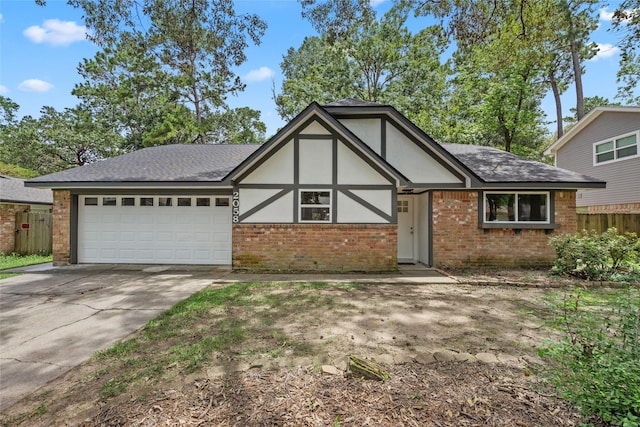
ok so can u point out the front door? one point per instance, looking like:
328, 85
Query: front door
405, 229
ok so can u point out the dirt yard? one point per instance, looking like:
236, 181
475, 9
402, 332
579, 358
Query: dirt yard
457, 355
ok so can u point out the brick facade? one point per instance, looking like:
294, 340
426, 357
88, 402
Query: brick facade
458, 242
621, 208
315, 247
8, 226
61, 227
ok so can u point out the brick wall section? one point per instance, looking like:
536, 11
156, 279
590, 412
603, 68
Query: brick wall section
621, 208
458, 242
8, 226
61, 227
315, 247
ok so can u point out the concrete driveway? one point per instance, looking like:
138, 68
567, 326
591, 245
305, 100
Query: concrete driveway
52, 319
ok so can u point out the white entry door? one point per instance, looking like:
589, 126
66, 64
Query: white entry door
405, 229
154, 229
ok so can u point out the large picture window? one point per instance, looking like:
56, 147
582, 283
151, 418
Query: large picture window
315, 206
516, 207
619, 148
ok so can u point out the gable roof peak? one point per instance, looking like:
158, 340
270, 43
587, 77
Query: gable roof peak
352, 102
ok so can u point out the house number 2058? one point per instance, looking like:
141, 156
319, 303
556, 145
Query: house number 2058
235, 207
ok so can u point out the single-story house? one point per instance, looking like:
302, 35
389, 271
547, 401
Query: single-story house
605, 144
349, 186
14, 198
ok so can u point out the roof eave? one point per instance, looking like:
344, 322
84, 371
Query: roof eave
25, 202
545, 185
586, 120
57, 185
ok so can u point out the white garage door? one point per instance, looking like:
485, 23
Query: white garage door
154, 229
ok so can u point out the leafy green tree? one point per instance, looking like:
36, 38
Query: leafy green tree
576, 23
590, 102
130, 90
174, 78
379, 61
626, 20
335, 19
55, 141
558, 30
238, 126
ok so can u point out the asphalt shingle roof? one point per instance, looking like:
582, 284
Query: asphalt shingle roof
13, 190
496, 166
167, 163
211, 163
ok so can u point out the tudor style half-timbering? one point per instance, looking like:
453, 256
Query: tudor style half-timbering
350, 186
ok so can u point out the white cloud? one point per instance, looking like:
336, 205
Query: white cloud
376, 3
605, 15
35, 85
3, 90
56, 32
605, 50
262, 73
1, 18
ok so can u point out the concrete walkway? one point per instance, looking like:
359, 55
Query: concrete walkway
407, 274
54, 318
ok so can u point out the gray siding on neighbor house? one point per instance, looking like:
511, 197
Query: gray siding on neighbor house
622, 177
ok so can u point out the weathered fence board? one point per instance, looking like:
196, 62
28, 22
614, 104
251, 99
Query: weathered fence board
34, 233
602, 222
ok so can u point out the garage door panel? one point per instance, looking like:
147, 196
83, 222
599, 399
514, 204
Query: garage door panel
154, 234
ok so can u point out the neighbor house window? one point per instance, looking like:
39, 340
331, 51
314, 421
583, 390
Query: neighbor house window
616, 149
516, 207
315, 206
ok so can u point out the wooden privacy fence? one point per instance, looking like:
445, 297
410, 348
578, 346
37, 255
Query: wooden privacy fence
33, 233
602, 222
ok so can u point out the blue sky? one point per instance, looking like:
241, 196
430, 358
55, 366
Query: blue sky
40, 48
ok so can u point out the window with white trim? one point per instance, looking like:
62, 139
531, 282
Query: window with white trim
619, 148
519, 207
315, 206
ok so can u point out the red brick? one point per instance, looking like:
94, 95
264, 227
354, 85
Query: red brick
315, 247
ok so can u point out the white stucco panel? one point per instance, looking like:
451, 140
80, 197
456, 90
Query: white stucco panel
277, 169
252, 197
280, 211
368, 130
316, 161
350, 211
315, 128
381, 199
413, 162
353, 170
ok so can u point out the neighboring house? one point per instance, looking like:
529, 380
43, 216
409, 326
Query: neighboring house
604, 144
14, 198
350, 186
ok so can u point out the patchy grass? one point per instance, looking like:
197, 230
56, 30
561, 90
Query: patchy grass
222, 330
14, 261
225, 324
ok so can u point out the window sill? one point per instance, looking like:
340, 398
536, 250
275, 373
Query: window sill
518, 226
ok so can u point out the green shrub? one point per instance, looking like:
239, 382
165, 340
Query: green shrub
594, 256
597, 364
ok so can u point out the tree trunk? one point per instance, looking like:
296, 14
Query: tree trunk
577, 74
558, 101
